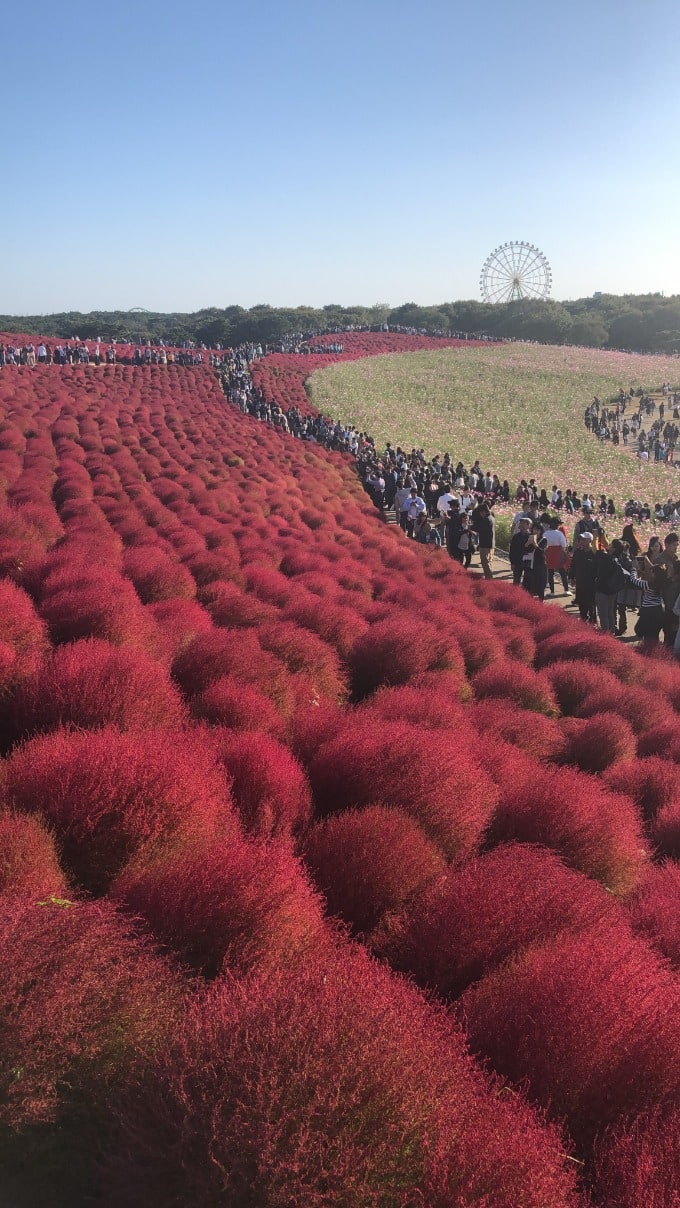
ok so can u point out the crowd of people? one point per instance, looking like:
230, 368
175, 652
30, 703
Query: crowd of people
612, 423
446, 505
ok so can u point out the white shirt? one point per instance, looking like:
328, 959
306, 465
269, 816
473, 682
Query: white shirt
555, 537
443, 503
414, 507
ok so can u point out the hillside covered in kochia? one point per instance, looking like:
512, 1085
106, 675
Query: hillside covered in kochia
262, 757
639, 322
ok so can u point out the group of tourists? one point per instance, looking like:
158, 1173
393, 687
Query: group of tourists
611, 423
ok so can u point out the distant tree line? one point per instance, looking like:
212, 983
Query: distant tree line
639, 322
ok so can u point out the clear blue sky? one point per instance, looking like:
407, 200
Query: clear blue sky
174, 156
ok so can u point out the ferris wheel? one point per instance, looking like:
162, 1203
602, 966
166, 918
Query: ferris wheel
515, 270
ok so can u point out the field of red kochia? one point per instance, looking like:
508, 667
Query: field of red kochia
330, 874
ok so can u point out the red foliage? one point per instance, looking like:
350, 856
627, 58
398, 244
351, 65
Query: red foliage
92, 683
20, 626
28, 858
107, 794
432, 700
269, 787
156, 577
369, 861
225, 905
638, 1162
232, 608
302, 651
589, 1020
77, 992
665, 831
334, 1083
511, 680
516, 635
233, 652
439, 784
339, 625
593, 829
179, 621
475, 917
643, 709
395, 650
654, 909
597, 648
652, 783
238, 707
598, 742
539, 736
575, 679
661, 740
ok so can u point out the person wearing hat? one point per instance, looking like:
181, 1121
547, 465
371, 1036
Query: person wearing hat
587, 524
582, 574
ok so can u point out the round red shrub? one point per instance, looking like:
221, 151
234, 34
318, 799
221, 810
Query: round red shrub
539, 736
574, 679
380, 1104
516, 635
475, 917
269, 787
91, 683
338, 625
434, 706
238, 707
638, 1161
179, 621
665, 830
597, 648
644, 710
595, 830
28, 858
598, 742
302, 651
20, 626
156, 577
511, 680
78, 991
395, 650
654, 909
588, 1020
107, 794
232, 608
225, 905
229, 652
366, 862
438, 784
652, 783
661, 740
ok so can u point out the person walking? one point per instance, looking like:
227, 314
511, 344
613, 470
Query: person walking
484, 524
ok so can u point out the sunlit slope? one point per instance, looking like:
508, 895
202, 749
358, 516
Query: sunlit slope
518, 407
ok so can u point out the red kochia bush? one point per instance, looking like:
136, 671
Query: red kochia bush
238, 707
225, 905
638, 1162
156, 577
652, 783
432, 701
334, 1083
302, 651
395, 650
77, 992
440, 785
540, 736
92, 683
593, 829
590, 1020
28, 858
233, 652
598, 742
654, 909
20, 626
369, 861
643, 709
269, 787
107, 794
597, 648
234, 609
473, 918
511, 680
574, 679
662, 740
